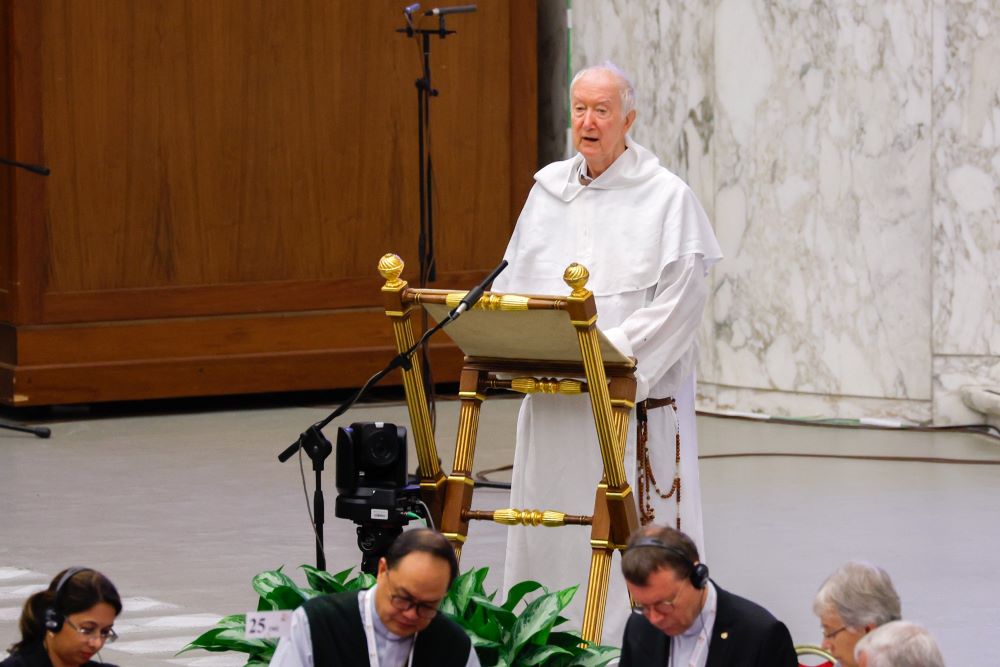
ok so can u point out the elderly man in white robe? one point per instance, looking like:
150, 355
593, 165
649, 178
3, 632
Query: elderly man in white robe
648, 245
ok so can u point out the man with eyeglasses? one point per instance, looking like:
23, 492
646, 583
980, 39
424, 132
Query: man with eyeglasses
396, 623
682, 619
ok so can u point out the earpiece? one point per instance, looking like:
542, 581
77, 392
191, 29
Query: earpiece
699, 571
54, 619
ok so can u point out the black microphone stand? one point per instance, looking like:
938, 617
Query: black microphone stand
425, 91
425, 171
318, 447
40, 431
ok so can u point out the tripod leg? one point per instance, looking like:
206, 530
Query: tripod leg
40, 431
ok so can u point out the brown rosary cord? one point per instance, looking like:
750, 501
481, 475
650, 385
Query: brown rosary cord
646, 482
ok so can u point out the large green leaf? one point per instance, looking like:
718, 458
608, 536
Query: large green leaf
492, 630
462, 590
518, 591
540, 655
229, 639
565, 597
448, 608
596, 656
286, 597
324, 582
267, 581
565, 639
479, 641
539, 616
232, 621
503, 616
363, 581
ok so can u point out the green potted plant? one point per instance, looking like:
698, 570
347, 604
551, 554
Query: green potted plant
502, 634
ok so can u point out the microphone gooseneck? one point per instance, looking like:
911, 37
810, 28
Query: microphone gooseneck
476, 293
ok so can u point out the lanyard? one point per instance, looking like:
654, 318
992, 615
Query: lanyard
367, 603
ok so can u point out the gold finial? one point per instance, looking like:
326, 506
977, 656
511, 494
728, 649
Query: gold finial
391, 266
576, 276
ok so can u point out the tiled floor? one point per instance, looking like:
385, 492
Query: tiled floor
182, 508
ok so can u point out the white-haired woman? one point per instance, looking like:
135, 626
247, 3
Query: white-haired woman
854, 600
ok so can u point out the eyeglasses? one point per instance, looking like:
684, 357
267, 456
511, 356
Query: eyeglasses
662, 607
107, 635
834, 633
425, 610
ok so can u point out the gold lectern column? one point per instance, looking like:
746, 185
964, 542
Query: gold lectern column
459, 487
597, 594
583, 314
398, 312
391, 266
468, 424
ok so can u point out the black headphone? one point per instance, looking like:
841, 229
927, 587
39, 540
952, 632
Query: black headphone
54, 618
698, 572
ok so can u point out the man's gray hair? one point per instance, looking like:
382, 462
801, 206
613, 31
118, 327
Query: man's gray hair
861, 593
626, 90
899, 644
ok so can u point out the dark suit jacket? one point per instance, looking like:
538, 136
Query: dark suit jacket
744, 635
35, 655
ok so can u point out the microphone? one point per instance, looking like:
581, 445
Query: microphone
476, 293
415, 7
458, 9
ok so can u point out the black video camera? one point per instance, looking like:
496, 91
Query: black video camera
373, 486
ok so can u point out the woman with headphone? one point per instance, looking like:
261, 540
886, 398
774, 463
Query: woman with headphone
68, 622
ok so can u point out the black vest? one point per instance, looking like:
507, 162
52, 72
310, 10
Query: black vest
338, 636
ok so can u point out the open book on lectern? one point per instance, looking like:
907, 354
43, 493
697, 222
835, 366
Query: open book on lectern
536, 335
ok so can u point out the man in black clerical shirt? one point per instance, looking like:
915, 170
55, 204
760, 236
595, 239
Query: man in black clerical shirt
393, 624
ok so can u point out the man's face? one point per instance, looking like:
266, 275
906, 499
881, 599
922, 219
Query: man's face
670, 603
838, 639
420, 581
599, 126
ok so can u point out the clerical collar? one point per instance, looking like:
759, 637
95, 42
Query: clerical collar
585, 178
380, 630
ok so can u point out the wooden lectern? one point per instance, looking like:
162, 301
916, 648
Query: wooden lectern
545, 344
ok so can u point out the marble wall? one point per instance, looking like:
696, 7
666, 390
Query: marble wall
847, 153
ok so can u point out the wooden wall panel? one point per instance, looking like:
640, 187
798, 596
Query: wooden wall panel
222, 170
283, 151
27, 231
294, 369
6, 150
